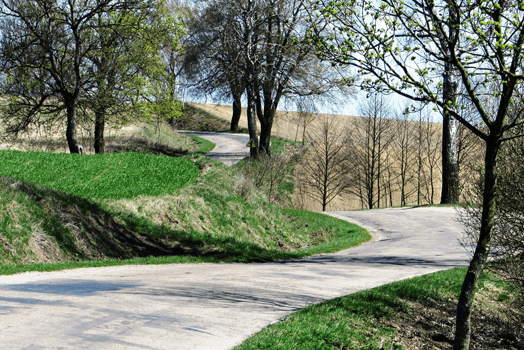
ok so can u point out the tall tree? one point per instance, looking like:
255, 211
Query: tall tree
287, 64
261, 43
369, 142
213, 56
450, 163
44, 51
404, 46
324, 167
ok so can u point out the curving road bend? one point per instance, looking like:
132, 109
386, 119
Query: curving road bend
216, 306
229, 149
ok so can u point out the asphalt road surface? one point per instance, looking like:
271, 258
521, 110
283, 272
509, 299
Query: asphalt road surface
216, 306
229, 149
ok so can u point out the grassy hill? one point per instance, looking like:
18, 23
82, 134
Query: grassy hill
59, 212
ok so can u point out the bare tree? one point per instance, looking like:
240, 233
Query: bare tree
404, 147
508, 230
323, 168
370, 138
428, 155
306, 114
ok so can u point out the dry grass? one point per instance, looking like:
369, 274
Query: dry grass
289, 125
137, 137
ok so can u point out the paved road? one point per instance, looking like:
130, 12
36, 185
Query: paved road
229, 149
216, 306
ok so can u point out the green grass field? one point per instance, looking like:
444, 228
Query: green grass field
61, 211
116, 175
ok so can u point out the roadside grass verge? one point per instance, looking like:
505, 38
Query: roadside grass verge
114, 175
78, 232
208, 220
204, 146
414, 313
274, 175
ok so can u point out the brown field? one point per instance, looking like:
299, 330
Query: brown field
134, 137
289, 125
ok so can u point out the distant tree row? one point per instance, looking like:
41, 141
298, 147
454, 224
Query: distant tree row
385, 157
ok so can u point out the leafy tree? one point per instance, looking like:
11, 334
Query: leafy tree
134, 62
212, 58
45, 49
404, 46
287, 66
257, 46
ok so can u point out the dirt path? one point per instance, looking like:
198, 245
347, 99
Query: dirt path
216, 306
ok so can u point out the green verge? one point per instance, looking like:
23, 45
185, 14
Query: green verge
208, 220
204, 146
116, 175
354, 321
333, 233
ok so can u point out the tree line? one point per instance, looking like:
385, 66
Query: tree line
385, 157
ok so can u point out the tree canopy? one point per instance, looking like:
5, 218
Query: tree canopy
58, 56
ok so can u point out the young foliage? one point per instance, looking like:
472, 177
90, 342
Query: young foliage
404, 46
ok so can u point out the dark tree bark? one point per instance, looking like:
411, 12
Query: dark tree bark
237, 110
254, 151
72, 141
469, 286
99, 131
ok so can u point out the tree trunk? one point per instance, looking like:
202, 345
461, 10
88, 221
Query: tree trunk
99, 132
251, 122
266, 124
237, 111
467, 294
71, 127
450, 167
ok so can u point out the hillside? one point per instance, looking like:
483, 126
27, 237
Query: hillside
206, 219
406, 169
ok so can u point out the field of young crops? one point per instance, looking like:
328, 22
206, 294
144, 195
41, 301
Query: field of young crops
115, 175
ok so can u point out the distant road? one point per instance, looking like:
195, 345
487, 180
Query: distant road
230, 148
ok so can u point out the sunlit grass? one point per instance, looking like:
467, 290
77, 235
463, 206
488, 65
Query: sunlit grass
116, 175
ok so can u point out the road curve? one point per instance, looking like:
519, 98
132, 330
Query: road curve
229, 149
216, 306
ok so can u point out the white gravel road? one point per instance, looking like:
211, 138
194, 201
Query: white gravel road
229, 149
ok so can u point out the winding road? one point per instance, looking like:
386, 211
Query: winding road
217, 306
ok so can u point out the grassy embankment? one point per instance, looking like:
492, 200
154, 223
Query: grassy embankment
65, 211
417, 313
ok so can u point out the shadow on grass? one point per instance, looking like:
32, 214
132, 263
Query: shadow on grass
142, 145
85, 230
